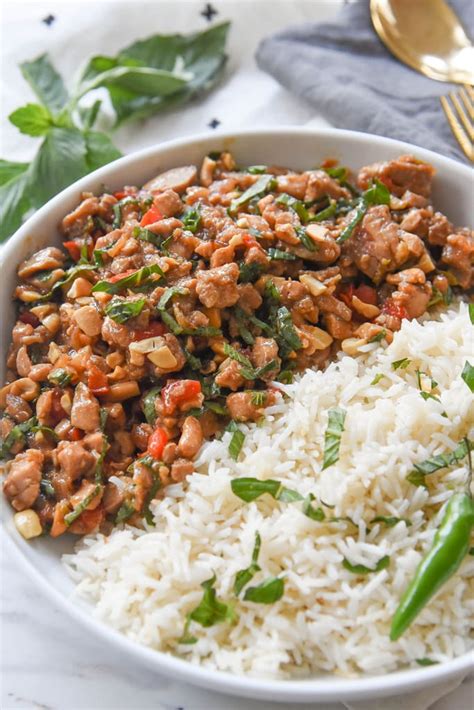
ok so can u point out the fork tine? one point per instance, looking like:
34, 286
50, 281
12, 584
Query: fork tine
467, 103
461, 114
457, 129
470, 91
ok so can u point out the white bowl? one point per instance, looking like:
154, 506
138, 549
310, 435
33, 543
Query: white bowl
298, 148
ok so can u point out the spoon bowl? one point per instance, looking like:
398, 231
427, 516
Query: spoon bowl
427, 35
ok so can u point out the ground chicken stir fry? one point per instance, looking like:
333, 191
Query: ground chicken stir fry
171, 309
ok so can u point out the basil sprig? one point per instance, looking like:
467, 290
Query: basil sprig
249, 489
260, 186
435, 463
209, 611
244, 576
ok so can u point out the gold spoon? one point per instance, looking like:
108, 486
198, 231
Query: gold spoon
427, 35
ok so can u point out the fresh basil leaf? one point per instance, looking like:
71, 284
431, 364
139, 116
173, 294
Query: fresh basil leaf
426, 662
238, 357
258, 398
148, 404
146, 512
99, 150
88, 114
237, 440
347, 232
243, 577
305, 239
249, 273
260, 186
417, 478
286, 377
14, 203
287, 495
401, 364
139, 278
286, 335
249, 489
74, 514
378, 337
269, 592
241, 318
332, 437
68, 278
316, 514
125, 511
280, 255
379, 376
193, 361
296, 205
45, 430
122, 311
471, 312
256, 169
377, 194
192, 219
46, 83
60, 161
169, 294
9, 170
326, 213
383, 563
210, 610
17, 434
389, 520
32, 119
468, 375
338, 172
60, 377
435, 463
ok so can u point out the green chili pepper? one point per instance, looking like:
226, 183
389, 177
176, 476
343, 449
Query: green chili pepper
450, 546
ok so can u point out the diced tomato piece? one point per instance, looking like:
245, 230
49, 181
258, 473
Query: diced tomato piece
152, 215
157, 442
75, 434
117, 277
178, 393
365, 293
394, 309
154, 329
30, 318
74, 250
120, 194
97, 380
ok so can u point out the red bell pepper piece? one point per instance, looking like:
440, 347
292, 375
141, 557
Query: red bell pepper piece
154, 329
75, 434
157, 442
151, 216
394, 309
74, 250
97, 380
178, 393
118, 277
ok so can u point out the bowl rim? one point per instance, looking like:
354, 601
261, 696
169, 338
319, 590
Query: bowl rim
319, 689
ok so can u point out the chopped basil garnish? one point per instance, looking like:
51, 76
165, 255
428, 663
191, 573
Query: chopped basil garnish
435, 463
268, 592
17, 434
377, 378
390, 521
146, 512
243, 577
247, 370
264, 183
468, 375
60, 377
237, 440
147, 235
332, 437
426, 662
296, 205
286, 335
305, 239
125, 511
122, 311
248, 273
47, 488
439, 297
316, 514
117, 209
138, 278
383, 563
74, 514
471, 312
377, 194
148, 404
249, 489
193, 361
258, 398
326, 213
68, 277
378, 337
280, 255
210, 610
192, 219
256, 169
401, 364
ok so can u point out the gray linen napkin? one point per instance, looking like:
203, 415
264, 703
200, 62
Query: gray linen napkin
345, 71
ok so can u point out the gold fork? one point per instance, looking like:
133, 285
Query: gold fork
461, 117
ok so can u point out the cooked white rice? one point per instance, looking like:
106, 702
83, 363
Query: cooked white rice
328, 620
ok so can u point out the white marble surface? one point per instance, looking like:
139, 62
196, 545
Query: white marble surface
47, 661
